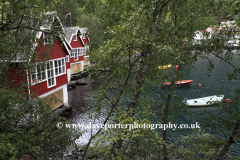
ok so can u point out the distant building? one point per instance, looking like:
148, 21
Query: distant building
203, 34
77, 39
227, 24
210, 31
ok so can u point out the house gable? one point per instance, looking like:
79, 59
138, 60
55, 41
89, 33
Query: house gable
47, 75
78, 56
58, 74
76, 44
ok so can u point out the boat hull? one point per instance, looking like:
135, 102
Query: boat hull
178, 83
165, 67
204, 101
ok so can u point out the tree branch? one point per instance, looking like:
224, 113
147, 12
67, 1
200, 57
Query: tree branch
155, 90
225, 61
32, 28
109, 114
160, 14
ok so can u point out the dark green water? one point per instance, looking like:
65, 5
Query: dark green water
216, 83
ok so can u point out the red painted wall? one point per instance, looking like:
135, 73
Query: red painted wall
42, 88
16, 77
85, 40
68, 63
76, 44
80, 58
57, 52
46, 53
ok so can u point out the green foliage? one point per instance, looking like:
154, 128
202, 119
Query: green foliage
28, 127
133, 38
20, 22
203, 146
206, 22
64, 7
136, 143
233, 8
27, 123
89, 21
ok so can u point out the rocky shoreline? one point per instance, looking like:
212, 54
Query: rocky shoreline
72, 155
75, 154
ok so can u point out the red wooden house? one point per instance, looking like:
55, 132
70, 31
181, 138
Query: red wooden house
48, 78
77, 39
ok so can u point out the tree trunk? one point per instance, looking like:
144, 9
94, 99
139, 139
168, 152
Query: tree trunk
229, 142
165, 121
142, 70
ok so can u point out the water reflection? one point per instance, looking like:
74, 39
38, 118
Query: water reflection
217, 82
78, 98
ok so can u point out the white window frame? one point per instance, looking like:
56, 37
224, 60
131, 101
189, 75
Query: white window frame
50, 74
84, 51
38, 73
67, 58
52, 77
47, 38
76, 55
87, 48
84, 36
80, 53
59, 67
74, 37
73, 52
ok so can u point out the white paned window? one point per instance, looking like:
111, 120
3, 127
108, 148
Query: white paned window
87, 48
43, 72
80, 52
50, 73
59, 66
74, 37
67, 58
47, 38
38, 73
76, 55
84, 50
63, 66
73, 52
34, 75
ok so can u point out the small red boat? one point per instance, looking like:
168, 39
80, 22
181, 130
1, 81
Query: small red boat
179, 83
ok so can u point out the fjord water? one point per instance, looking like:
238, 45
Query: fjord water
217, 83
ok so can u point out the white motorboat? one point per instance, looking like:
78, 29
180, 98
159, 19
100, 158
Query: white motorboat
204, 101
